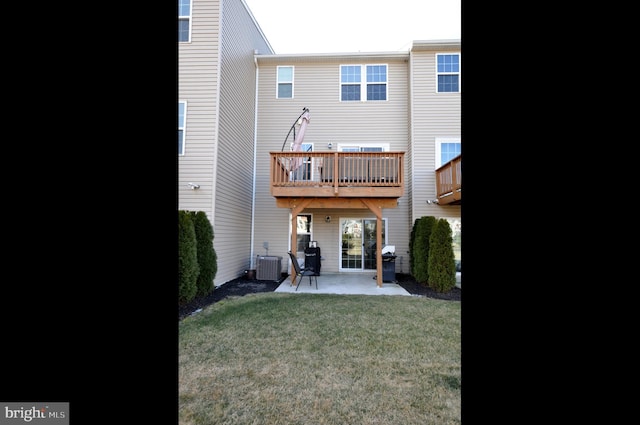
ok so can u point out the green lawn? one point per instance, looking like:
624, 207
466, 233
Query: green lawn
273, 358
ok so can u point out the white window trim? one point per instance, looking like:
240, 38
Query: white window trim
386, 82
293, 77
385, 225
184, 128
439, 142
448, 73
190, 17
363, 82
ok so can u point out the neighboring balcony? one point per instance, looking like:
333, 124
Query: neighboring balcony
337, 174
449, 182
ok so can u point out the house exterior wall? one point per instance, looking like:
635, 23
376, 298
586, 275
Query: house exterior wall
221, 70
317, 87
217, 77
433, 115
198, 75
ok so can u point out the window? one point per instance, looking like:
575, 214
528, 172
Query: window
182, 110
448, 73
303, 232
446, 150
350, 82
369, 147
184, 20
285, 83
376, 82
368, 79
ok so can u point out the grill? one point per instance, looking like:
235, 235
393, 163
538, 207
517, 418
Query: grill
268, 267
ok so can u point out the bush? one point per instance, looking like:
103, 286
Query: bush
421, 248
441, 261
207, 259
412, 267
188, 269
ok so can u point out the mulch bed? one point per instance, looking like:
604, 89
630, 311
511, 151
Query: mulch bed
243, 286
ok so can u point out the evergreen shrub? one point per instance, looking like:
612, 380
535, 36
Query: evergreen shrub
421, 248
412, 268
207, 258
188, 268
441, 261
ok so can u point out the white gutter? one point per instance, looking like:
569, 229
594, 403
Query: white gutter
412, 140
255, 150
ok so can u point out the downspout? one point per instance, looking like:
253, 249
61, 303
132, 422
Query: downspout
412, 142
255, 150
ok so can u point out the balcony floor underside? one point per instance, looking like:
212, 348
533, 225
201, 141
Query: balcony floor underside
297, 203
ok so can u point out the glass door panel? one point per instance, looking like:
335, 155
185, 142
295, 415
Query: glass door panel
351, 252
369, 243
359, 243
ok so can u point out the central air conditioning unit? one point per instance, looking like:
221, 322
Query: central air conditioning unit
269, 267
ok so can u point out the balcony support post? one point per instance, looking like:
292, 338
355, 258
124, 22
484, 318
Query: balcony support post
295, 210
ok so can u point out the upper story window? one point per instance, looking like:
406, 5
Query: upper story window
363, 82
285, 83
182, 112
448, 73
184, 20
447, 149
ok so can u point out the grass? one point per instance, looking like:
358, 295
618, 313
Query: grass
318, 359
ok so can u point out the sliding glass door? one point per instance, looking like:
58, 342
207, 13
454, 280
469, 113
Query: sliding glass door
359, 243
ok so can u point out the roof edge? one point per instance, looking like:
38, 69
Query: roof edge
340, 55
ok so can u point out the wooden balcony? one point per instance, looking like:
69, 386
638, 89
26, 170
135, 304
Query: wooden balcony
449, 182
337, 174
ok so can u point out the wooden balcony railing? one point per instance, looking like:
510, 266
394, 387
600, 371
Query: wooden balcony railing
337, 174
449, 182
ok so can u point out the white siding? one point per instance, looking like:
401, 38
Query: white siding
197, 84
317, 86
234, 176
217, 79
433, 115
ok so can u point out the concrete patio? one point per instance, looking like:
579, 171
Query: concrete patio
356, 283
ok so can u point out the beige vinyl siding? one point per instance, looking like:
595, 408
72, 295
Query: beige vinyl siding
234, 168
317, 86
217, 79
197, 85
328, 234
434, 115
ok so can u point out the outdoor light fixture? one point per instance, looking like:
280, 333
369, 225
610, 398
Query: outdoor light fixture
194, 186
329, 145
432, 201
327, 219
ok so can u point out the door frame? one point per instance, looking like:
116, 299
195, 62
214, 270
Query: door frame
363, 250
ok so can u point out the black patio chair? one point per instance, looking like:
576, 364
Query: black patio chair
301, 272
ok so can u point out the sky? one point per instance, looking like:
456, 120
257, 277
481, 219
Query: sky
348, 26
